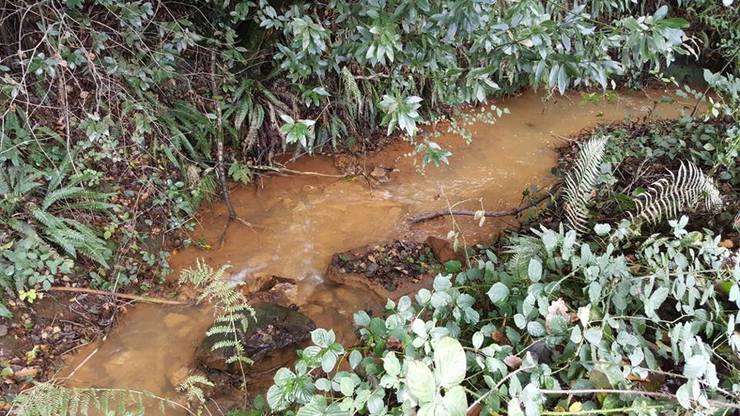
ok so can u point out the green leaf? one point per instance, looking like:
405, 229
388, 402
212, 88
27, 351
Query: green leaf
695, 366
673, 23
453, 266
593, 335
420, 381
455, 402
535, 329
534, 271
498, 292
5, 312
391, 365
449, 362
355, 357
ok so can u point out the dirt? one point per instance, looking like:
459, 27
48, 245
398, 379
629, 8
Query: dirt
389, 265
33, 342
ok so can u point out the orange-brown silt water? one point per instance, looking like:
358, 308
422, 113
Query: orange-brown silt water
301, 221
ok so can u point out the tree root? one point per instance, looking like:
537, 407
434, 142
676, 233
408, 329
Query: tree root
426, 216
117, 295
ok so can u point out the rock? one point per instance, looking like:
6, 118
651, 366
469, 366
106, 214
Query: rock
26, 373
442, 249
263, 288
3, 330
273, 328
380, 174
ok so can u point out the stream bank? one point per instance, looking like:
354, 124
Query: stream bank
301, 222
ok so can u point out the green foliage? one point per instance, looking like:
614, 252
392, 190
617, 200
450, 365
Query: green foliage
39, 211
635, 320
47, 399
604, 316
232, 311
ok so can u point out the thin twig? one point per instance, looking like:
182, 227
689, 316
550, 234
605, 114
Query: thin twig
117, 295
426, 216
298, 172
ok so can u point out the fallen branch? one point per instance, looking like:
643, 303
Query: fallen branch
297, 172
117, 295
426, 216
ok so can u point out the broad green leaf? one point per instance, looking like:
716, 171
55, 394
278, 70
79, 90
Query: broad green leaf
498, 292
455, 402
355, 357
534, 271
449, 362
420, 381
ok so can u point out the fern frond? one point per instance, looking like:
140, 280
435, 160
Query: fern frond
192, 387
686, 190
522, 248
47, 399
580, 182
352, 94
68, 192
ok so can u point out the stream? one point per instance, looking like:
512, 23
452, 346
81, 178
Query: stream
303, 220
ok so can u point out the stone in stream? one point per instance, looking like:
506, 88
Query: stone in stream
273, 328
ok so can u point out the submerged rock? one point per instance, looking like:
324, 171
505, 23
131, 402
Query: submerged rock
273, 328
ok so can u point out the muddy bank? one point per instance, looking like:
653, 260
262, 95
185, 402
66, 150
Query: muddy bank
302, 221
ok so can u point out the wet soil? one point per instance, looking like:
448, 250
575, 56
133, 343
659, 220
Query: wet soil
389, 265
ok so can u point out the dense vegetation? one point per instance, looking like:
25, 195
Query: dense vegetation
151, 93
119, 118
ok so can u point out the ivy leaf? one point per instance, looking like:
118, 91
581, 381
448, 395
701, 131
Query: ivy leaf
449, 362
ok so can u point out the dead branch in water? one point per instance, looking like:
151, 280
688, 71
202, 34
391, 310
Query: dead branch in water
117, 295
426, 216
299, 172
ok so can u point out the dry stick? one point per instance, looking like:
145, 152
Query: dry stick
298, 172
117, 295
426, 216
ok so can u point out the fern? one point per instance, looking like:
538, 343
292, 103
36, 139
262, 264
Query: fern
192, 387
522, 249
352, 95
47, 399
580, 182
686, 190
233, 311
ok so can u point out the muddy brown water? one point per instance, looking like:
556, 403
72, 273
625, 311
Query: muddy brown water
304, 220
